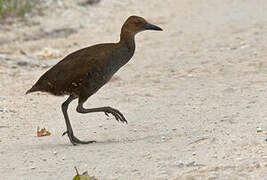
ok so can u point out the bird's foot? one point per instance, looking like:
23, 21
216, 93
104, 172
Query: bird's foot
75, 140
116, 113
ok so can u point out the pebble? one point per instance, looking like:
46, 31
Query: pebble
191, 164
180, 164
55, 152
33, 167
2, 109
163, 172
194, 164
257, 165
22, 63
134, 170
259, 129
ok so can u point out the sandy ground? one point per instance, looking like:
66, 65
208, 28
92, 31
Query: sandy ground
194, 94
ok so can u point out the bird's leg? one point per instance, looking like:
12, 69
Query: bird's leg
116, 113
69, 131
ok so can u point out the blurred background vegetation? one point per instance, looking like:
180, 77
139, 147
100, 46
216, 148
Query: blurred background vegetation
21, 8
12, 8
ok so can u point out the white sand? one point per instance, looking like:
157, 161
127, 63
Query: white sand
193, 94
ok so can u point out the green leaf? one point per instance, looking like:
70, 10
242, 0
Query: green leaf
77, 177
84, 176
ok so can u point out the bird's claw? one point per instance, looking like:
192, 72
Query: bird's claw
75, 140
117, 114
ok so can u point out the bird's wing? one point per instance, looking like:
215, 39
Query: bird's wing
71, 69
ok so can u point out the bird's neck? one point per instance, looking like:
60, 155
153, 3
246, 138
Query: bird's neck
127, 39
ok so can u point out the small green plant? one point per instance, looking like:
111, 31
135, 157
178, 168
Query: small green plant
15, 7
84, 176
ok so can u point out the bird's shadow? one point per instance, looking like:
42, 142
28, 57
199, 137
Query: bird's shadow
48, 145
67, 144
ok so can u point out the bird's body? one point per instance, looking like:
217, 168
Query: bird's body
87, 70
83, 72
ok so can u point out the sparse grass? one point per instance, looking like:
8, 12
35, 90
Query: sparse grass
12, 8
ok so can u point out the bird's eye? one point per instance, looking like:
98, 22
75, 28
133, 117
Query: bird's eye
137, 22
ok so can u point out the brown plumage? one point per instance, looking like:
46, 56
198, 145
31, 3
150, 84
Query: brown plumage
83, 72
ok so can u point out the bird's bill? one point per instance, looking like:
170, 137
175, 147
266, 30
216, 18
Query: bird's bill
149, 26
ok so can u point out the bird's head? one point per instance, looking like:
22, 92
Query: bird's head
135, 24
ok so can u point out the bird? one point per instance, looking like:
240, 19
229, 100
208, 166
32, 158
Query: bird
82, 73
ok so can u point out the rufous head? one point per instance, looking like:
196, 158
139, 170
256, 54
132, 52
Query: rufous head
135, 24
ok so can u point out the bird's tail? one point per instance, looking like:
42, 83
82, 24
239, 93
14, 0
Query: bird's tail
33, 89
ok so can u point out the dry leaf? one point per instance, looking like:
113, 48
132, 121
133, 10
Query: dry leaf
42, 132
